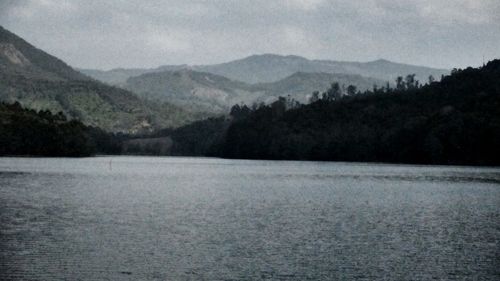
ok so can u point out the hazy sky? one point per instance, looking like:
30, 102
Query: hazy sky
147, 33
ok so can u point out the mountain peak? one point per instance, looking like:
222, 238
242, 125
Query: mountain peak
16, 51
274, 56
382, 61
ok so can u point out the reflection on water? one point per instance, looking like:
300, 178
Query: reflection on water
140, 218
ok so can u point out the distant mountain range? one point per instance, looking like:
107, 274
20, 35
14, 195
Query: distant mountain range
202, 91
255, 79
198, 91
173, 95
300, 85
271, 68
40, 81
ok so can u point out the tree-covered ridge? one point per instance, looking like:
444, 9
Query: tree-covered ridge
301, 85
455, 121
206, 92
28, 132
197, 91
93, 103
200, 138
40, 81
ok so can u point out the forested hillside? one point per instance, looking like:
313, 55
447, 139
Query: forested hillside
455, 121
301, 85
206, 92
197, 91
28, 132
40, 81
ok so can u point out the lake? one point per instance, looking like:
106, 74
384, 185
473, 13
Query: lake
167, 218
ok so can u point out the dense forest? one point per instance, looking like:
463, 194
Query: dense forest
41, 81
28, 132
454, 121
201, 138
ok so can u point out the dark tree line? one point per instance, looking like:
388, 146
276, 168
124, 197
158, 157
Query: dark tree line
28, 132
454, 121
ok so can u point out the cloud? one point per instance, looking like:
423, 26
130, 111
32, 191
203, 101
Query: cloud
168, 40
305, 4
449, 12
114, 33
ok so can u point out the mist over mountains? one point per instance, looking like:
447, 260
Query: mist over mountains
202, 91
254, 79
271, 68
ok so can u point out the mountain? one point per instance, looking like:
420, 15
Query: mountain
119, 76
198, 91
19, 58
201, 91
300, 85
454, 121
40, 81
271, 68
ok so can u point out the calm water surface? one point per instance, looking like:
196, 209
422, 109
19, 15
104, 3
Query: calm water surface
141, 218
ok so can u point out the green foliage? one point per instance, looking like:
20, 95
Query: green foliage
38, 80
455, 121
333, 93
28, 132
205, 92
94, 104
200, 138
196, 91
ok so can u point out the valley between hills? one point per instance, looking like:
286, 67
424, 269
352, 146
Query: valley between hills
260, 107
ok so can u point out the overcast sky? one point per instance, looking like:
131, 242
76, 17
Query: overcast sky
138, 33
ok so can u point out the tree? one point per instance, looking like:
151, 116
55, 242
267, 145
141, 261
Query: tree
333, 93
314, 97
431, 79
291, 103
351, 90
235, 110
432, 124
279, 107
410, 81
400, 85
239, 112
